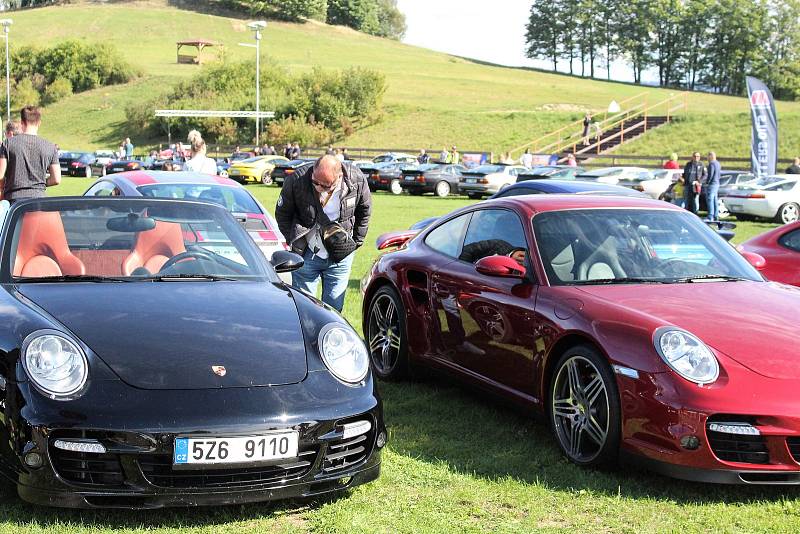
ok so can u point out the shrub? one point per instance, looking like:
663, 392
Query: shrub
24, 94
60, 88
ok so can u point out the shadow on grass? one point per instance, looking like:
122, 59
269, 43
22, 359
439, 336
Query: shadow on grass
15, 511
438, 421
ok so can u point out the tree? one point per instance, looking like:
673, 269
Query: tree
291, 9
544, 32
361, 15
668, 41
391, 21
634, 28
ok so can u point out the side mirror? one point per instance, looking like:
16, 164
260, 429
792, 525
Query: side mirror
756, 260
284, 261
501, 266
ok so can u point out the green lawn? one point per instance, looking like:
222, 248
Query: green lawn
457, 461
433, 99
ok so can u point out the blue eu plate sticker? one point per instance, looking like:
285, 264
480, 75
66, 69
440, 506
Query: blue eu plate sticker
181, 451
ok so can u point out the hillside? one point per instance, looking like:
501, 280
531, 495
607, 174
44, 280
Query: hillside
432, 98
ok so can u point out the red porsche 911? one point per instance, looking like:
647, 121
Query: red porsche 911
633, 327
780, 249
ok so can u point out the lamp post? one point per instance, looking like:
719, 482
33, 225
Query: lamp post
6, 23
257, 27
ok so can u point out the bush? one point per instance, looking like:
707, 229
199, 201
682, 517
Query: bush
291, 9
60, 88
24, 94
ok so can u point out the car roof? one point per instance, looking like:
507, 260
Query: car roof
568, 186
541, 203
139, 178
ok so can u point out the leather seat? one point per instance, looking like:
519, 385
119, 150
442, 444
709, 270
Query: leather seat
154, 247
42, 249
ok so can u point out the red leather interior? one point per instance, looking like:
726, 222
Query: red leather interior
154, 247
43, 249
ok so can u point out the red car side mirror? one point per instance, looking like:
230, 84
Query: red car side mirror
756, 260
501, 266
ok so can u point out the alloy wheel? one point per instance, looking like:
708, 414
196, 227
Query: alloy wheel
266, 178
789, 213
442, 189
384, 335
580, 409
395, 187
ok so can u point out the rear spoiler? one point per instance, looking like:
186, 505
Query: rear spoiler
723, 228
396, 239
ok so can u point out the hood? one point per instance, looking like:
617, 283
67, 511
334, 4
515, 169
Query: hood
167, 335
753, 323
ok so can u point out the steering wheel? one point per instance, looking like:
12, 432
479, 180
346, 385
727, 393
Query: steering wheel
196, 254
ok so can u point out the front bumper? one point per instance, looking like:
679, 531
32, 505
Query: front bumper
484, 189
139, 432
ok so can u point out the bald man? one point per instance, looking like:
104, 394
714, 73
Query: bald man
328, 190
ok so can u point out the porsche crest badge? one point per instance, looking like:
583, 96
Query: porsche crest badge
219, 370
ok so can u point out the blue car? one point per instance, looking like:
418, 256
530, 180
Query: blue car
564, 187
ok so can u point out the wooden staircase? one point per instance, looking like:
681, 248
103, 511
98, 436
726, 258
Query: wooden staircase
634, 119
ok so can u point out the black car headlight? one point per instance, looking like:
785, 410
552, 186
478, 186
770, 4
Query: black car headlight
55, 364
343, 352
686, 355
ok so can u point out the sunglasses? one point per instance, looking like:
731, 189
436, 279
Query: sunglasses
325, 187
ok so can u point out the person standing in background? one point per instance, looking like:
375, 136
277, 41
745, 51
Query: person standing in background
527, 159
672, 162
199, 162
26, 158
693, 175
443, 155
128, 148
423, 158
12, 129
794, 168
712, 186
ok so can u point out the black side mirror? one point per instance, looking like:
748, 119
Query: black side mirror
284, 261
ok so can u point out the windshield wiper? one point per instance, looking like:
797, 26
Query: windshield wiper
69, 278
181, 277
722, 277
622, 280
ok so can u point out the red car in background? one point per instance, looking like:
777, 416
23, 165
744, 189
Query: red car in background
780, 249
634, 328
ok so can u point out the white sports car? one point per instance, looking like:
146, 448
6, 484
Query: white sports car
771, 197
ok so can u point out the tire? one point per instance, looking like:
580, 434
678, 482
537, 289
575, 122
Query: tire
103, 170
586, 430
385, 332
395, 188
266, 178
88, 172
788, 213
442, 189
474, 196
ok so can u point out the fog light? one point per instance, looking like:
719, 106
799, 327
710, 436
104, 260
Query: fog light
345, 481
34, 459
350, 430
381, 441
743, 429
690, 443
80, 446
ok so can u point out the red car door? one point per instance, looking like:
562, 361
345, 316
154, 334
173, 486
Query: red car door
487, 323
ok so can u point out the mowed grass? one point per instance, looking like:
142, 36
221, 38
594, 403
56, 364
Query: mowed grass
457, 461
432, 100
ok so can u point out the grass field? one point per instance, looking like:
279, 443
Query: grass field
456, 461
433, 99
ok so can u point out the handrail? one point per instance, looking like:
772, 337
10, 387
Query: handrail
571, 126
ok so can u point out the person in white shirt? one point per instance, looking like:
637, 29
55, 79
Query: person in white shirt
527, 159
199, 162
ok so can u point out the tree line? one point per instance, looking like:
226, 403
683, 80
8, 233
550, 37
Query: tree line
693, 44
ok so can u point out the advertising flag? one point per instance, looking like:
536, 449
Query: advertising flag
764, 152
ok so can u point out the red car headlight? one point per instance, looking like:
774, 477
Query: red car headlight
686, 355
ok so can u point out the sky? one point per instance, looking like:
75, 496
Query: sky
491, 31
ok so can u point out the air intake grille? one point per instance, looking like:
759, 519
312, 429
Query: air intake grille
158, 471
794, 448
345, 453
87, 468
739, 448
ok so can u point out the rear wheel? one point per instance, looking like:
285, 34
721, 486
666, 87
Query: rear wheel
584, 407
788, 213
385, 331
395, 187
266, 178
442, 189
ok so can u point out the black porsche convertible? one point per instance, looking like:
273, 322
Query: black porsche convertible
150, 356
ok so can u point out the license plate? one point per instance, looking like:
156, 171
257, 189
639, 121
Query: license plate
236, 449
472, 180
409, 178
63, 169
734, 207
234, 171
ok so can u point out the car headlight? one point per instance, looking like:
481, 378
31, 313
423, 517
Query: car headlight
343, 352
55, 364
686, 355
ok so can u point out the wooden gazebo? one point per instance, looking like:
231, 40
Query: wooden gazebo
199, 45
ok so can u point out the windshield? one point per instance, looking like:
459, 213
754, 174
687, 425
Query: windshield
383, 157
601, 246
487, 169
770, 182
611, 171
231, 198
248, 160
124, 239
71, 155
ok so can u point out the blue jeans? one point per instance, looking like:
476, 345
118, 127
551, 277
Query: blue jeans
335, 277
711, 202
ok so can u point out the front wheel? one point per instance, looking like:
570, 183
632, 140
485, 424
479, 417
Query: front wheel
584, 407
442, 189
385, 331
395, 187
788, 213
266, 178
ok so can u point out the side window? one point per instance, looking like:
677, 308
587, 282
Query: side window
447, 237
101, 189
517, 191
791, 240
494, 232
